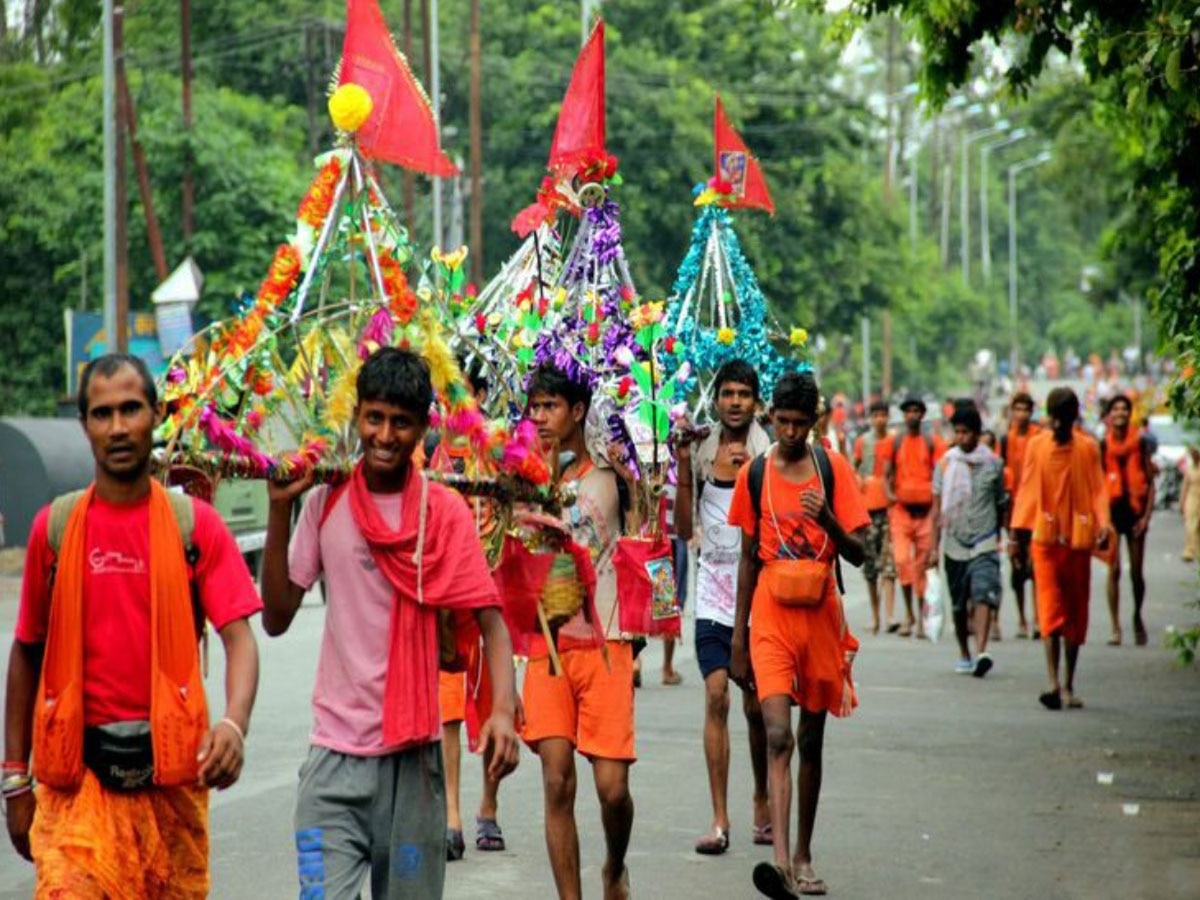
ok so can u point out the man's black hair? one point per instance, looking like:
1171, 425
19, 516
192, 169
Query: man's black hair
1021, 398
967, 415
547, 379
1120, 398
399, 377
738, 371
797, 392
475, 373
107, 366
879, 406
1063, 405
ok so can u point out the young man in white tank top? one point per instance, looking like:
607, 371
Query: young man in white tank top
706, 477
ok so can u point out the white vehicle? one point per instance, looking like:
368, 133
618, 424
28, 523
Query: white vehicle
1170, 440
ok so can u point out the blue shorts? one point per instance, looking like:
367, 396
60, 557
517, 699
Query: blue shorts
714, 646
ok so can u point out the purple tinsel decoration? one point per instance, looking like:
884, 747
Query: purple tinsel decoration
598, 244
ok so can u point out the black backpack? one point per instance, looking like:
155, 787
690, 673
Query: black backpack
758, 471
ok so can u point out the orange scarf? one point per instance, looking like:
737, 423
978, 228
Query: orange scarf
1125, 470
1069, 510
1015, 444
178, 711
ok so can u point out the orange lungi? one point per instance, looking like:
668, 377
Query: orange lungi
912, 542
800, 651
93, 843
1062, 577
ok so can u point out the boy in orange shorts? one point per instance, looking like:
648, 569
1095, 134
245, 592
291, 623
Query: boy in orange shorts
589, 705
466, 697
909, 476
799, 508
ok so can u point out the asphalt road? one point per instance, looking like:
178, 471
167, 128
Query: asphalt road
938, 786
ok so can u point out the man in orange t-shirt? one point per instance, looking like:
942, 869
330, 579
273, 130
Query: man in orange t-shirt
801, 650
909, 484
1012, 450
872, 453
1059, 517
1125, 455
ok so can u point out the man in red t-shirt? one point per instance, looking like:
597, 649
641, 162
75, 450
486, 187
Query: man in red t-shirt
119, 590
909, 482
872, 453
800, 649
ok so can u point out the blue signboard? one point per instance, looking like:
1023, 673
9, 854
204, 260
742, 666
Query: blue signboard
86, 340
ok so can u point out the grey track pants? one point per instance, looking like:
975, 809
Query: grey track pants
382, 814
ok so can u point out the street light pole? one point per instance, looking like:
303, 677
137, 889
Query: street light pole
110, 178
1014, 356
985, 230
964, 208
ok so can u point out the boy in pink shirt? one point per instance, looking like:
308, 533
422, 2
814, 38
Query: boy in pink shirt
393, 549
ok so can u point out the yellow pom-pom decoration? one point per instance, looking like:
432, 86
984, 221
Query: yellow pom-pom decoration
798, 337
349, 107
726, 336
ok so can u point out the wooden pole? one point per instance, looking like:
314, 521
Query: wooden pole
410, 179
142, 173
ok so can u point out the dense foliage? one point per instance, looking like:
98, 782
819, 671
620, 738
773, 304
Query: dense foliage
1142, 58
837, 249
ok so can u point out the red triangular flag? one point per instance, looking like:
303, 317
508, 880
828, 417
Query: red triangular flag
579, 137
737, 168
400, 128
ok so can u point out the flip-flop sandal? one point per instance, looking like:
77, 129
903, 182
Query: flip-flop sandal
671, 679
893, 628
773, 882
1050, 700
906, 631
713, 844
764, 835
1074, 702
488, 835
811, 887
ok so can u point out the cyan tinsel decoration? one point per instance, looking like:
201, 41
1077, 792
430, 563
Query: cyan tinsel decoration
748, 313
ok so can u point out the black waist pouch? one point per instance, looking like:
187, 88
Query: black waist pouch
121, 755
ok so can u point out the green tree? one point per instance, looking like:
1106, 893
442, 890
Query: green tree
1143, 57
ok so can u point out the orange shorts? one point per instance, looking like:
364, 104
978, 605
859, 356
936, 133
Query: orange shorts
1063, 580
452, 696
912, 543
800, 652
590, 704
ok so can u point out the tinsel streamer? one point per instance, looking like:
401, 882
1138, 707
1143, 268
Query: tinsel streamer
752, 341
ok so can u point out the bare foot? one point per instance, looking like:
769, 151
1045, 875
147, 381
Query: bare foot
616, 889
1072, 701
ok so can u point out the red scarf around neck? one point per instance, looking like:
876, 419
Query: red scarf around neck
434, 561
1124, 469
